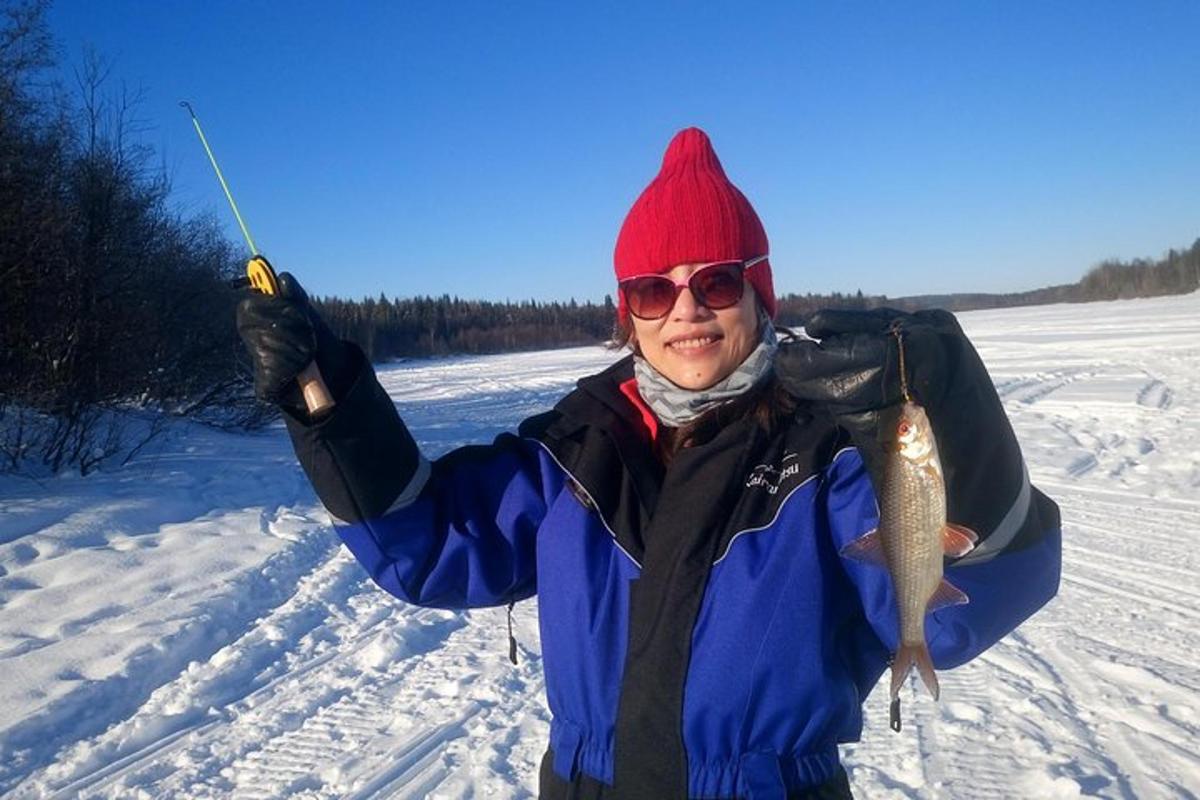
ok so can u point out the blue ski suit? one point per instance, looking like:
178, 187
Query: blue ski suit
701, 635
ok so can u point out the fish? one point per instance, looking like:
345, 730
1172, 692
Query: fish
910, 541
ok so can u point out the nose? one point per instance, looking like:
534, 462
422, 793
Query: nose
687, 309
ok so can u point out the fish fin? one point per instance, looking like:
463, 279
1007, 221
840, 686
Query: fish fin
867, 548
946, 594
958, 540
907, 657
964, 530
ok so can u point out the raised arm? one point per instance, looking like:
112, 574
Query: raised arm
454, 533
854, 372
458, 532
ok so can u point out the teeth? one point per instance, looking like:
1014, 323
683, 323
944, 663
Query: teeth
686, 344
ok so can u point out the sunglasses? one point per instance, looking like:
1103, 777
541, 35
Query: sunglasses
715, 286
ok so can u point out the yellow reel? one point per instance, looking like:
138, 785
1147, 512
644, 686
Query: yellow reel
262, 275
262, 278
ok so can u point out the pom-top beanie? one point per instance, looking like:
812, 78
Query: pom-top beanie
691, 213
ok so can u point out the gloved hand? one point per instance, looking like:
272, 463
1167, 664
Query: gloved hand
854, 372
284, 334
855, 365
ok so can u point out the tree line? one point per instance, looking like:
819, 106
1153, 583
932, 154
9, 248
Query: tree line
1178, 272
427, 326
389, 328
108, 299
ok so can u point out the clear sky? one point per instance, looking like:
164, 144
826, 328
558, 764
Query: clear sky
491, 149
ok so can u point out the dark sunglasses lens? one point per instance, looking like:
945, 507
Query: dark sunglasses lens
718, 286
650, 297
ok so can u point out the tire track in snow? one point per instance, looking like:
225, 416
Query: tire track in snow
417, 768
1155, 394
493, 743
1033, 389
45, 739
183, 709
1127, 594
1180, 674
1135, 568
190, 761
414, 721
1111, 726
282, 671
331, 718
1097, 533
958, 722
1116, 569
1065, 697
1133, 512
1101, 501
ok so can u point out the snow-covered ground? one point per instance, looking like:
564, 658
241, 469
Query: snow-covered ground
188, 627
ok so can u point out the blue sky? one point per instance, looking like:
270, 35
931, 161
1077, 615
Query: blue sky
491, 149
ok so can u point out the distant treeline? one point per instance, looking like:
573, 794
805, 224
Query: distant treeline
1178, 272
424, 326
108, 299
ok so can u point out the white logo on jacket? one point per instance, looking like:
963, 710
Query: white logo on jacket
770, 477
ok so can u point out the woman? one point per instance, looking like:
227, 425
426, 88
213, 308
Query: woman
680, 514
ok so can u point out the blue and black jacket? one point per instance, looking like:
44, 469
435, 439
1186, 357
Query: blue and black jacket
701, 636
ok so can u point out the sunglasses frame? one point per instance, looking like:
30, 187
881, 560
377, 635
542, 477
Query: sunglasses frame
679, 287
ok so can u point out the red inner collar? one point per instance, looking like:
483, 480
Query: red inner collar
649, 421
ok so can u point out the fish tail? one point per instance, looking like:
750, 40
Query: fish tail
907, 657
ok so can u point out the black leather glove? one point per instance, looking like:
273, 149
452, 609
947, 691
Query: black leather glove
855, 365
284, 334
854, 373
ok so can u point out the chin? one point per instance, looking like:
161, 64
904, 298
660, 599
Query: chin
695, 379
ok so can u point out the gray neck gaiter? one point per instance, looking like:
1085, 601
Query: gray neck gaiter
675, 406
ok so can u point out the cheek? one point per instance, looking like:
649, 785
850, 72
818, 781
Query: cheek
644, 336
744, 345
742, 333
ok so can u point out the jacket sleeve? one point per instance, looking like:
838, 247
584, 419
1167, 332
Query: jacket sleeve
458, 532
1006, 586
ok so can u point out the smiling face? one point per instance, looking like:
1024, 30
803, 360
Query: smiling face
693, 346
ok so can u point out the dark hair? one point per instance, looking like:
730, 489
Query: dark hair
622, 335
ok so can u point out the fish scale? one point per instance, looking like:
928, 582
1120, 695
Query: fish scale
912, 515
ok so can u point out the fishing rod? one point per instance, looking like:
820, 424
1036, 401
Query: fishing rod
261, 277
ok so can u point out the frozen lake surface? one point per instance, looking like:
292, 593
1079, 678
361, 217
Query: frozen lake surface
188, 626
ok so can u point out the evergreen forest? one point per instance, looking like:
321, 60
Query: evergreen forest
114, 303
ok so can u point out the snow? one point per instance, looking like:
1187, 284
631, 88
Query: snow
188, 626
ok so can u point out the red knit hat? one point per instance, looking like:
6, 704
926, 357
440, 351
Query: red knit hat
691, 213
